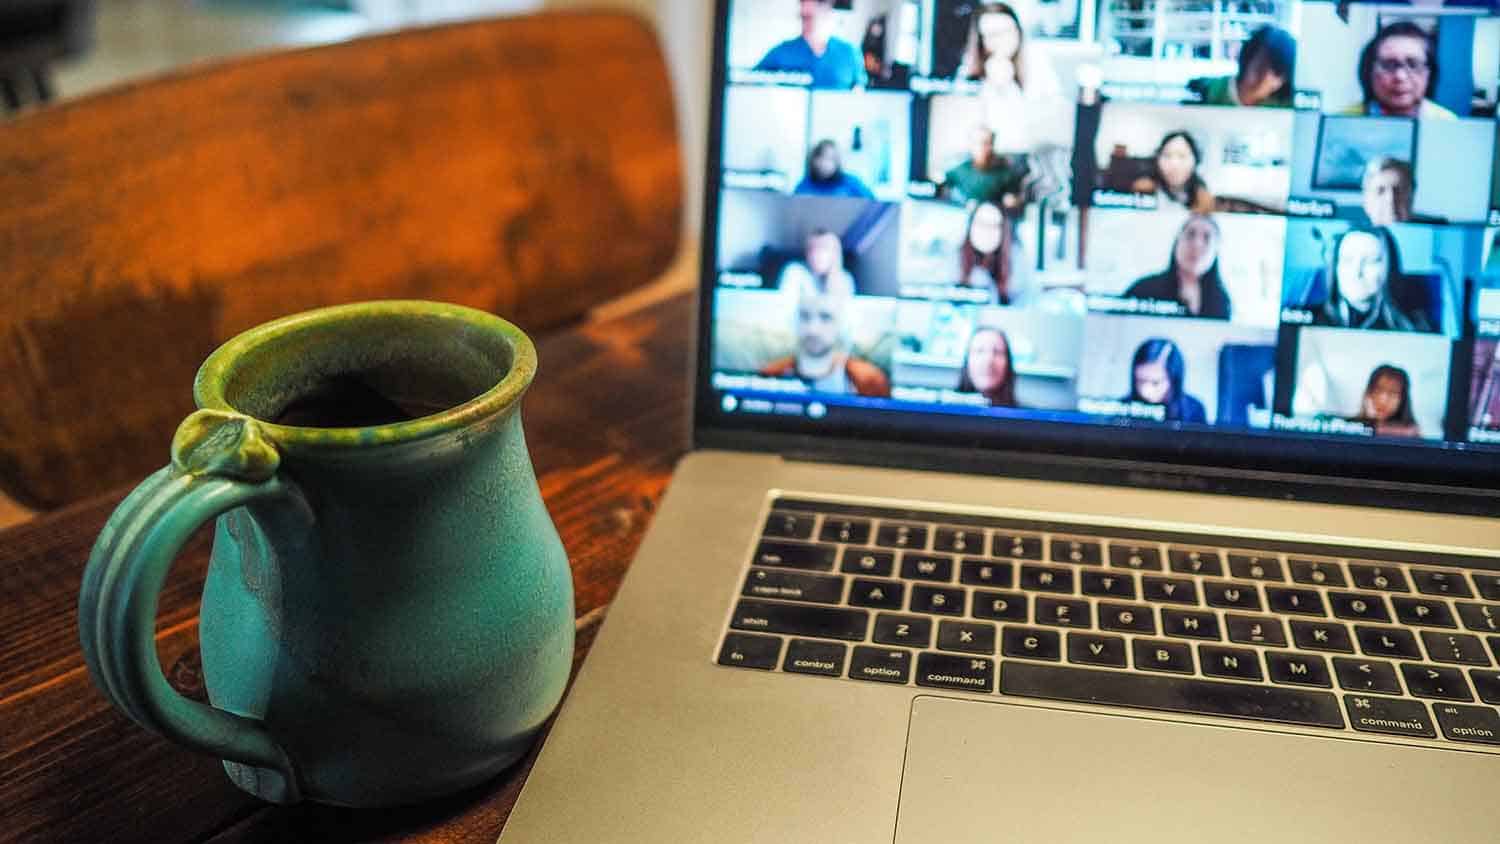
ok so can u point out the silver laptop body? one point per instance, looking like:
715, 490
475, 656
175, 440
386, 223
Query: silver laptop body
894, 611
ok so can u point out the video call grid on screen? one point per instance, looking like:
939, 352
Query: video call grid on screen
1092, 205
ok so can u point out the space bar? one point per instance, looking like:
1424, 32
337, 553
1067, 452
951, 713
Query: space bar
1171, 694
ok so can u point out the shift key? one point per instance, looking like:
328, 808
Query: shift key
801, 620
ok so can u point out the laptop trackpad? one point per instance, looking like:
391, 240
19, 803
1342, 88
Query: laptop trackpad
986, 772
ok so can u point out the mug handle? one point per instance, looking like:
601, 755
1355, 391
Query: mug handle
220, 461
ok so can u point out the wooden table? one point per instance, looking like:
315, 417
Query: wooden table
606, 421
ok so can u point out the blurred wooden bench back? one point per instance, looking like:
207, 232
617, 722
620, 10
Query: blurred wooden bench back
526, 166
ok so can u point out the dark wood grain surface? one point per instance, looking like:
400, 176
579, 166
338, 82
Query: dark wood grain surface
606, 420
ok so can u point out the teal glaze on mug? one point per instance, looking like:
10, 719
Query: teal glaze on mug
388, 614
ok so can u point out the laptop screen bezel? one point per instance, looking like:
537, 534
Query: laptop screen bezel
1453, 479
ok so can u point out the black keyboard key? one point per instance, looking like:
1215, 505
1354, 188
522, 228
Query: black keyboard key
866, 561
1127, 618
1190, 624
1487, 683
1255, 567
1047, 579
1169, 590
1106, 583
1356, 606
937, 600
1295, 601
882, 665
910, 631
880, 594
1449, 584
1387, 641
1495, 646
1125, 555
1389, 716
1096, 649
899, 535
1030, 643
1422, 612
933, 567
970, 637
1294, 669
800, 620
987, 573
1364, 675
1436, 681
1202, 561
1154, 655
1062, 612
1317, 572
795, 555
1384, 578
963, 673
1234, 596
794, 586
789, 525
1477, 724
805, 656
959, 540
1322, 636
840, 529
747, 650
1488, 585
999, 606
1460, 648
1020, 546
1255, 630
1481, 617
1171, 694
1231, 663
1077, 550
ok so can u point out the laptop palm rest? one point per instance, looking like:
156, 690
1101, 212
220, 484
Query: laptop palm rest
987, 772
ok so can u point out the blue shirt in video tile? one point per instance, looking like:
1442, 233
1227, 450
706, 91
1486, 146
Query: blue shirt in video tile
840, 66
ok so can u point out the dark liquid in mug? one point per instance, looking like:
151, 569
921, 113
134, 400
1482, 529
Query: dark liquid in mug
348, 401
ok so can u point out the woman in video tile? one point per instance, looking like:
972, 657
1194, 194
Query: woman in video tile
822, 266
1157, 373
1174, 175
1398, 72
1386, 406
984, 258
826, 175
1191, 278
1268, 62
988, 368
1011, 78
1364, 282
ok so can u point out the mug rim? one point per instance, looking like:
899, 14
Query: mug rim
213, 376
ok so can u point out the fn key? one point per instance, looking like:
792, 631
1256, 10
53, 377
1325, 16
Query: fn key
747, 650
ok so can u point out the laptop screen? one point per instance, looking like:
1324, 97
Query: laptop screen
1248, 232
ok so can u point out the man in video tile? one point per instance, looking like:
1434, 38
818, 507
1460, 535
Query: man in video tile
822, 359
833, 62
1398, 72
1268, 62
986, 176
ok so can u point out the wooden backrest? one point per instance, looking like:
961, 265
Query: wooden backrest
526, 166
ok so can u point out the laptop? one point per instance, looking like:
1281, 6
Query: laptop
1096, 437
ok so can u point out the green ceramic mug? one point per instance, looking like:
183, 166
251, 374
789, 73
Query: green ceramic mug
388, 614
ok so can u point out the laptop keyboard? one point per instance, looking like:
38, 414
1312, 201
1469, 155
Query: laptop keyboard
1363, 640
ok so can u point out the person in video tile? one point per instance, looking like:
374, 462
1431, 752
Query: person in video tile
988, 368
1174, 175
822, 265
993, 52
822, 360
1191, 278
833, 62
1398, 71
1364, 275
1157, 373
826, 175
1386, 405
986, 176
984, 258
1268, 61
1386, 191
